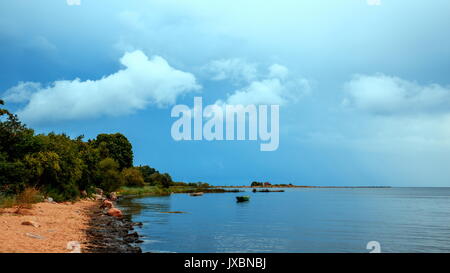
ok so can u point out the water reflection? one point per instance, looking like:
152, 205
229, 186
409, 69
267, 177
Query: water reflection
146, 207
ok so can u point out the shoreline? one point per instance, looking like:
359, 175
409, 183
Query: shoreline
79, 227
306, 187
109, 234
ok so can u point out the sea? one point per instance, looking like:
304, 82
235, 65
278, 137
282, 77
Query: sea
299, 220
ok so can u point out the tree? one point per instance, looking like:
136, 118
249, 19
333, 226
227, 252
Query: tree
90, 157
132, 177
115, 146
163, 180
16, 140
61, 167
146, 172
14, 176
109, 175
63, 151
202, 185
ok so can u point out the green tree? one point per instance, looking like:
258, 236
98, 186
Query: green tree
57, 168
60, 166
109, 176
90, 157
115, 146
14, 176
147, 171
163, 180
16, 140
132, 177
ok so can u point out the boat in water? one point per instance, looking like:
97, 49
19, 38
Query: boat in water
267, 190
242, 198
196, 194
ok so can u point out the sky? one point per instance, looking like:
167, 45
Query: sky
363, 85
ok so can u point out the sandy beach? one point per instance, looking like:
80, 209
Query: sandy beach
57, 224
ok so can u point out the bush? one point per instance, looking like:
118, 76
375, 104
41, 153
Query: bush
28, 197
111, 179
7, 201
163, 180
25, 199
147, 172
14, 176
132, 177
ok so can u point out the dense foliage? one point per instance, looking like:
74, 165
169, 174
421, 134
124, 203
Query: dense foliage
62, 167
115, 146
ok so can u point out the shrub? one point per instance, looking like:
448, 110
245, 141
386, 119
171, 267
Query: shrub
7, 201
23, 200
163, 180
147, 171
111, 179
133, 177
28, 197
13, 176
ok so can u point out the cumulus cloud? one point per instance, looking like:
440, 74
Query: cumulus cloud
278, 71
387, 95
141, 82
235, 70
269, 91
21, 92
276, 88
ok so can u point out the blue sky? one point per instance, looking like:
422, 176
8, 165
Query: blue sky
365, 89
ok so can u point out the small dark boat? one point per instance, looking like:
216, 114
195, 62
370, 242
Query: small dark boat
242, 198
267, 190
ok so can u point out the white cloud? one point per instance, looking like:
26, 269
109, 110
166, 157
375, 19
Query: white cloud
142, 82
278, 71
235, 70
21, 92
275, 88
406, 132
386, 95
269, 91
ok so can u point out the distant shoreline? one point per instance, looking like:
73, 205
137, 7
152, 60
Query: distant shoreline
314, 187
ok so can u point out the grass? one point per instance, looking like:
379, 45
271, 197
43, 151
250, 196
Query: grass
7, 201
23, 200
146, 190
158, 191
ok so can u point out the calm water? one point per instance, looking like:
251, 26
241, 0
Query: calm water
298, 220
